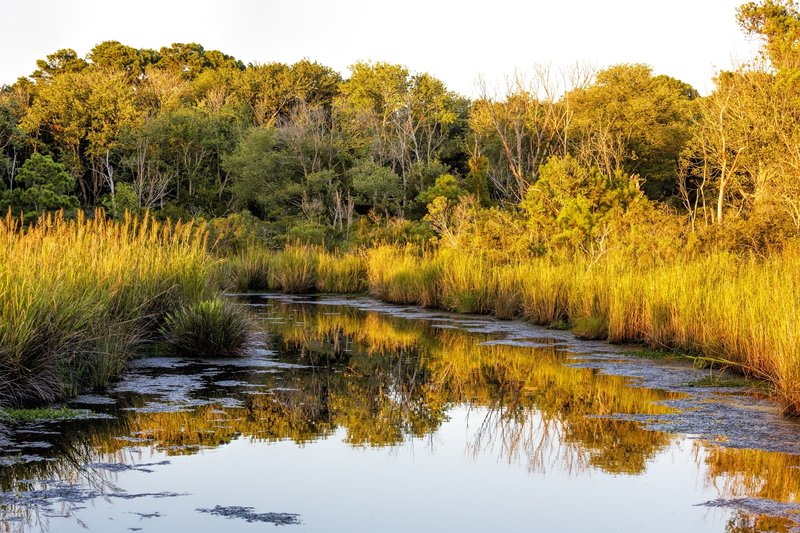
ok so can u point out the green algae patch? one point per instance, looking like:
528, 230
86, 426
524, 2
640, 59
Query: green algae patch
40, 413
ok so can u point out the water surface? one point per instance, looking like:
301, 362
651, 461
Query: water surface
361, 416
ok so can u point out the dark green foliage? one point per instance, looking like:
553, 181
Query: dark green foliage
265, 181
477, 182
446, 186
377, 187
576, 204
211, 328
42, 185
644, 121
593, 327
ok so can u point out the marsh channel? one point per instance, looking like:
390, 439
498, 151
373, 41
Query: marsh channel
353, 415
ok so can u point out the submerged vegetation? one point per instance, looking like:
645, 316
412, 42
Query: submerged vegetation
41, 413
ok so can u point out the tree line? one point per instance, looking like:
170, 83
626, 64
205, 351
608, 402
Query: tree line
570, 158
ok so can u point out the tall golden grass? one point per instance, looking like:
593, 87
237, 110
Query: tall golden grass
78, 297
735, 311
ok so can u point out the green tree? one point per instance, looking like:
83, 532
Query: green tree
62, 61
376, 187
116, 56
395, 118
43, 185
573, 204
778, 23
477, 182
190, 59
446, 187
264, 180
81, 115
631, 119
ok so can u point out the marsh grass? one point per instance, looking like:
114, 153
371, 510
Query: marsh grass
211, 328
466, 284
340, 273
507, 285
294, 270
722, 310
591, 328
78, 297
250, 270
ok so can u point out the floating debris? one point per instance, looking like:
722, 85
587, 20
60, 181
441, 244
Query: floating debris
249, 515
122, 467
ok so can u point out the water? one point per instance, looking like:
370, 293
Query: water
360, 416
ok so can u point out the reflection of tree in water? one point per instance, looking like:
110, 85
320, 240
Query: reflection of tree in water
66, 473
402, 375
385, 379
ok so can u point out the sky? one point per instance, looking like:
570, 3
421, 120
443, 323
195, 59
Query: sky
459, 41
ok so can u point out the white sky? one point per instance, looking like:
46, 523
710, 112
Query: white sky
455, 40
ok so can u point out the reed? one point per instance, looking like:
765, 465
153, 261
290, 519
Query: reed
250, 270
294, 270
732, 311
466, 284
78, 298
340, 273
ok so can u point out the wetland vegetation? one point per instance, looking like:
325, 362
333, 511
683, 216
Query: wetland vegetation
622, 204
265, 260
385, 380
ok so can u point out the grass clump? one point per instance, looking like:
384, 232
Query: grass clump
591, 328
250, 270
211, 328
559, 325
507, 284
398, 275
340, 273
79, 297
466, 284
294, 270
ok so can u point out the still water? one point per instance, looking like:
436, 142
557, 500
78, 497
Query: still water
358, 416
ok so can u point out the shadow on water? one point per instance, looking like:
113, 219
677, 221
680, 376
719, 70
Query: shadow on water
382, 377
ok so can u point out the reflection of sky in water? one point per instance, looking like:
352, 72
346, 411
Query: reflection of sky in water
508, 437
430, 484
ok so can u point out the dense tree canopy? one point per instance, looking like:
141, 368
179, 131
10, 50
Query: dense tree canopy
186, 131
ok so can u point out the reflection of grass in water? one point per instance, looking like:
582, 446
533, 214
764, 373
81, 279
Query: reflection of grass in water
745, 523
721, 306
751, 473
393, 378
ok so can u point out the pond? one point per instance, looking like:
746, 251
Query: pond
355, 415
